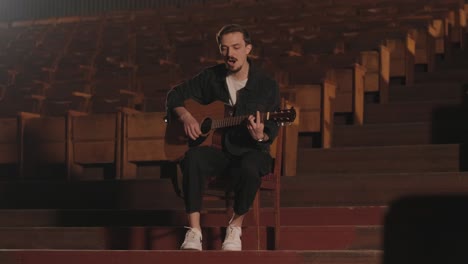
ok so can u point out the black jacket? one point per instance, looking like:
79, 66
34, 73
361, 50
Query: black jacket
260, 93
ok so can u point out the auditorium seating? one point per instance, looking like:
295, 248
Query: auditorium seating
379, 88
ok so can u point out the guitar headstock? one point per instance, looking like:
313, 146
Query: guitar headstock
284, 116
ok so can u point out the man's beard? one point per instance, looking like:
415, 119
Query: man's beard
230, 63
233, 70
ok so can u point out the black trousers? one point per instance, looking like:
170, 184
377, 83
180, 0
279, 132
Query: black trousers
244, 175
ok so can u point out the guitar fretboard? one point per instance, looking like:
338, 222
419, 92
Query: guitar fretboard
233, 121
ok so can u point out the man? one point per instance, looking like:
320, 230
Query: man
245, 148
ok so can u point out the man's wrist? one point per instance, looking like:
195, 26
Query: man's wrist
263, 138
184, 115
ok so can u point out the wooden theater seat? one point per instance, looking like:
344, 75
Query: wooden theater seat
93, 142
313, 90
42, 146
143, 141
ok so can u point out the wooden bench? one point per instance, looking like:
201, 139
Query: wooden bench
93, 146
142, 142
348, 75
377, 76
42, 147
453, 17
313, 91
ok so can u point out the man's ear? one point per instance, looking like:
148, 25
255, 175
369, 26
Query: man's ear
248, 49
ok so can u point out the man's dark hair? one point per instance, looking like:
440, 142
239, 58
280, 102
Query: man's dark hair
231, 28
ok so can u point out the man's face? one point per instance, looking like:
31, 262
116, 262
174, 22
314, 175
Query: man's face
234, 51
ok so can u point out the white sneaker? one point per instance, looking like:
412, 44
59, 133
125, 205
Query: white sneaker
193, 240
232, 242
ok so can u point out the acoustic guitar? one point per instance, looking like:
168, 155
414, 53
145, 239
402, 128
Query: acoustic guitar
212, 118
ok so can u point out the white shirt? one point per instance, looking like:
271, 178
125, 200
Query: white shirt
234, 86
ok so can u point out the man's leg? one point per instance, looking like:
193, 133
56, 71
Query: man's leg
246, 178
197, 164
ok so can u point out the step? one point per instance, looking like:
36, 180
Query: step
132, 195
382, 159
443, 75
457, 60
371, 189
105, 194
450, 90
170, 238
304, 190
290, 216
184, 257
393, 134
383, 134
426, 111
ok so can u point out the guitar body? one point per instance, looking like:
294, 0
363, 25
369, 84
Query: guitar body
176, 143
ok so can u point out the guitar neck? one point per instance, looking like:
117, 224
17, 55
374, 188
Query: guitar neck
235, 120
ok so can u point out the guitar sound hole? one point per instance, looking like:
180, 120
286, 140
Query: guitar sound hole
206, 126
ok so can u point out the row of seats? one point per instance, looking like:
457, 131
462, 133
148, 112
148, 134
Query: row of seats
126, 62
79, 52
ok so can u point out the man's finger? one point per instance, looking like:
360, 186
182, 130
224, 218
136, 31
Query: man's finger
197, 130
251, 120
194, 134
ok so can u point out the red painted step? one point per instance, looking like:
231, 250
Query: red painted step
384, 159
290, 216
184, 257
342, 189
170, 238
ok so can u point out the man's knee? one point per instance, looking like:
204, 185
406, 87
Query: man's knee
193, 156
257, 165
193, 153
